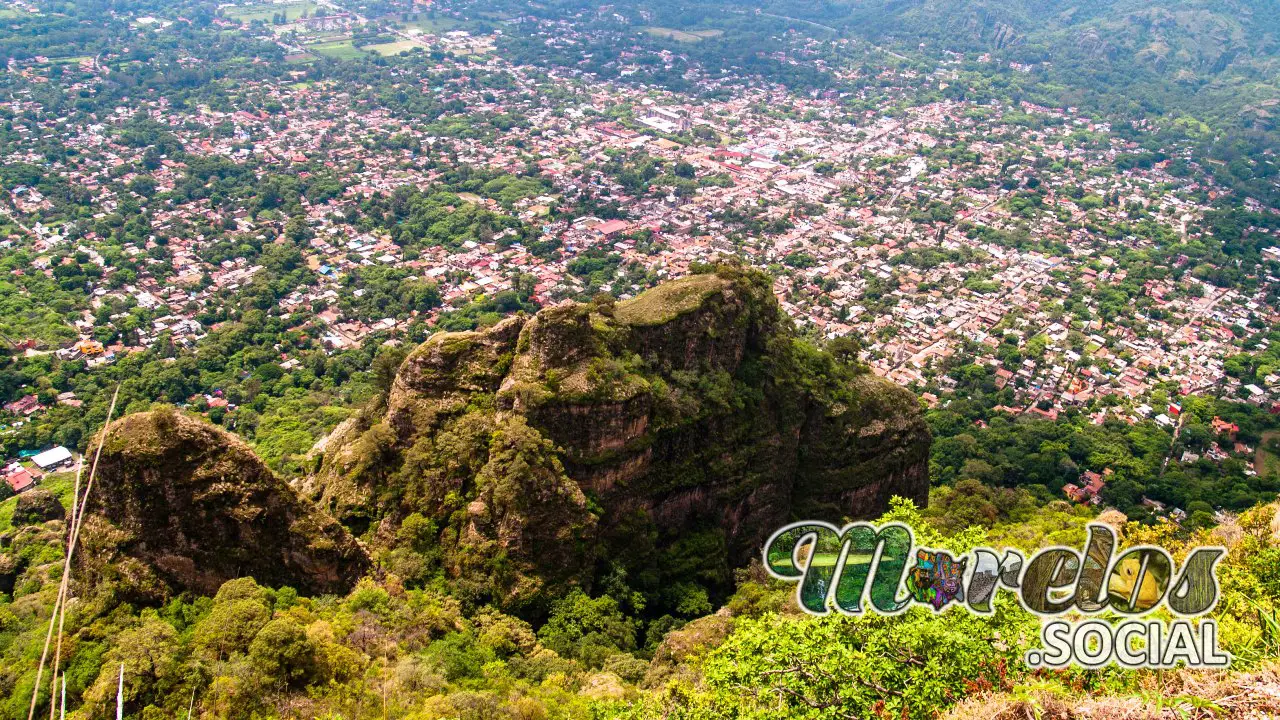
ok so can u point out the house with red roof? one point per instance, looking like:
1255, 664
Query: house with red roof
1222, 427
19, 478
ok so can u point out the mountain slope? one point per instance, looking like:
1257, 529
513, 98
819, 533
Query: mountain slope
1206, 35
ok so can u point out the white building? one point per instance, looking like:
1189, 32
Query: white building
53, 458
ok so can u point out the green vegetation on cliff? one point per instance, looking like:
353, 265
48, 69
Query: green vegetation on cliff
186, 506
561, 515
383, 650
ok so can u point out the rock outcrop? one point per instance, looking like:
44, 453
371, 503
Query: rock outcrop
37, 506
189, 504
660, 438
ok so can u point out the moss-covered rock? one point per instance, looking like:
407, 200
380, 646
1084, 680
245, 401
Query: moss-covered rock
680, 649
195, 506
36, 506
660, 438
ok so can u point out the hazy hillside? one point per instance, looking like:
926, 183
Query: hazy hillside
1204, 34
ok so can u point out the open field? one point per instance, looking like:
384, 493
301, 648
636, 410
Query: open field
1265, 461
265, 11
430, 26
393, 48
687, 36
68, 60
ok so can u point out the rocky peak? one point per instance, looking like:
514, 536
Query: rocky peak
195, 507
37, 506
663, 436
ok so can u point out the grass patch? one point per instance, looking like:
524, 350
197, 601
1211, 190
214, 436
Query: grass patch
669, 301
827, 560
684, 36
265, 12
60, 484
338, 50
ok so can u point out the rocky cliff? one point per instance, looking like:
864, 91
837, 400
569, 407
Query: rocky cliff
182, 505
658, 440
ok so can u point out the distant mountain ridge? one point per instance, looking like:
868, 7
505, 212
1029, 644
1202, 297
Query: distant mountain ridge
1204, 36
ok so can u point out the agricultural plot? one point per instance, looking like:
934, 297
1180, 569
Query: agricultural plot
685, 36
336, 49
430, 26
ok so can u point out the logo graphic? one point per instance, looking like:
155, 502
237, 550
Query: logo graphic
936, 579
863, 566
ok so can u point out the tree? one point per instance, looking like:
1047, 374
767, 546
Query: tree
297, 229
282, 651
845, 348
385, 367
239, 612
150, 655
588, 629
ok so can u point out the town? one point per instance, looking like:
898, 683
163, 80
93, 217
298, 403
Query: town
1038, 247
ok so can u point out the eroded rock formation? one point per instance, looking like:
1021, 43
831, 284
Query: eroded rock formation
661, 439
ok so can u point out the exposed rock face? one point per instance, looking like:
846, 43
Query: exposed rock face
666, 436
196, 507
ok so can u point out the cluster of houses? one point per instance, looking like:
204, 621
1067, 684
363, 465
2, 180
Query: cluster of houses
21, 476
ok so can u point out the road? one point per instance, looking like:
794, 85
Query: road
800, 20
1177, 430
12, 214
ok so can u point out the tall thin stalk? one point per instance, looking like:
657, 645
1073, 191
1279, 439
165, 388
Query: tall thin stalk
58, 617
120, 695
